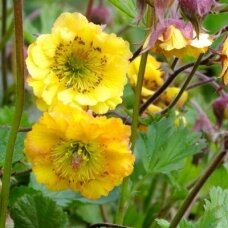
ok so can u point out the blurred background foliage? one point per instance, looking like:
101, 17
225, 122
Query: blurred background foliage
167, 186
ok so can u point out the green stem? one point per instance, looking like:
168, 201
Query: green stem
134, 127
18, 110
3, 51
197, 63
199, 184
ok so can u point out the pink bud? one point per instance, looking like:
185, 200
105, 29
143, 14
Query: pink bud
196, 8
220, 107
100, 15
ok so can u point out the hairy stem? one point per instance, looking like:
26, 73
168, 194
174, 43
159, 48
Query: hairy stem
89, 8
196, 188
18, 110
3, 50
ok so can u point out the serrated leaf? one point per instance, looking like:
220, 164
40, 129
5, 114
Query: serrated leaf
164, 146
18, 192
36, 211
219, 203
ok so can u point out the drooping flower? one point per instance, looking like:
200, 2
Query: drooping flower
70, 149
79, 65
153, 77
177, 38
224, 58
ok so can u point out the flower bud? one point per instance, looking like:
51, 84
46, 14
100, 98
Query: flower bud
220, 109
196, 8
100, 15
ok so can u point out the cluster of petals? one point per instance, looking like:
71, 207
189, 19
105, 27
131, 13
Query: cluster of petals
153, 79
78, 65
177, 38
70, 149
224, 56
77, 69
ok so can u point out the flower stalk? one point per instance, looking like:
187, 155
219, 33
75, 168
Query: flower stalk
183, 88
134, 128
3, 51
18, 110
196, 188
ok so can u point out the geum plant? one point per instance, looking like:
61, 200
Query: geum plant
131, 130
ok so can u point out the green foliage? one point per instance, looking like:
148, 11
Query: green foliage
36, 211
216, 211
164, 146
64, 198
218, 205
127, 7
6, 117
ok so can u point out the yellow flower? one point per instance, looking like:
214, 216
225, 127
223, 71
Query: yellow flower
170, 93
70, 149
79, 65
224, 73
173, 43
152, 77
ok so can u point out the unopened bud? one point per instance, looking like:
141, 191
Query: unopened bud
100, 15
196, 8
220, 109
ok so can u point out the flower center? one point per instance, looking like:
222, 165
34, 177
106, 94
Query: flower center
79, 65
75, 160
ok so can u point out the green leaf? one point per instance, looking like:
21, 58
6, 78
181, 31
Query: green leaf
162, 223
164, 146
186, 224
6, 118
127, 7
64, 198
218, 204
216, 211
18, 192
89, 213
37, 211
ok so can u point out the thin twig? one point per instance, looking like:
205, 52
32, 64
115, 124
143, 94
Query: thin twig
183, 88
200, 83
89, 8
199, 184
103, 213
174, 63
170, 79
21, 173
219, 88
21, 129
136, 54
